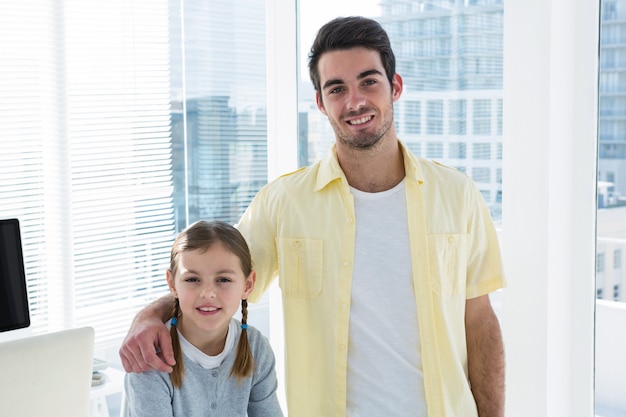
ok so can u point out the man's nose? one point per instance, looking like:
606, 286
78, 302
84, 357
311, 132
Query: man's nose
356, 99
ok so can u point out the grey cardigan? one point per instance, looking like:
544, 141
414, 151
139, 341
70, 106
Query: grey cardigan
209, 392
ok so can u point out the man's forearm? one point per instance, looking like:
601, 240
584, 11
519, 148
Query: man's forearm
486, 366
159, 309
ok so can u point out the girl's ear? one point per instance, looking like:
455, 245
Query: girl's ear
170, 283
250, 281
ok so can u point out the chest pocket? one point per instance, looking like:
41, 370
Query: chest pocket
448, 263
300, 266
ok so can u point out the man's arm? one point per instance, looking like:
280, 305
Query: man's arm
148, 344
485, 356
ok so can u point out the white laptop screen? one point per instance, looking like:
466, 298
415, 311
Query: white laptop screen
14, 313
47, 375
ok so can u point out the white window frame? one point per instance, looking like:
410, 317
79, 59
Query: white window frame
549, 183
282, 134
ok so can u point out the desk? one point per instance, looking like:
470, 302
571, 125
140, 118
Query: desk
114, 384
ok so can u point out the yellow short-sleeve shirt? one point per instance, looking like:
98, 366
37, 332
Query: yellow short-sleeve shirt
301, 229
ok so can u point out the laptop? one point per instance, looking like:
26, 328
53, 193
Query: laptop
47, 375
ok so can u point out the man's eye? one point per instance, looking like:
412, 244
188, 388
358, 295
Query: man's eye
336, 90
370, 82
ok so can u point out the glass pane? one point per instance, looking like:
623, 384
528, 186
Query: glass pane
611, 224
219, 122
124, 123
449, 54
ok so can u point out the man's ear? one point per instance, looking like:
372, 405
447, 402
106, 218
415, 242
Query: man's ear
320, 103
396, 87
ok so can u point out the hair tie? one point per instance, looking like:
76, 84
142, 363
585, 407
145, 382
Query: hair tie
174, 321
244, 326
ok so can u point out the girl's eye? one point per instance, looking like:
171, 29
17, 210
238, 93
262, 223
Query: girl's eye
224, 280
191, 279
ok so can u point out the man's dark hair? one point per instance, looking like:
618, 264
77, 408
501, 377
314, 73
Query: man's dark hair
347, 33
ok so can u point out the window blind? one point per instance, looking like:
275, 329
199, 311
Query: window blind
86, 164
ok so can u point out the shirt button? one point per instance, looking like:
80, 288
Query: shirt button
345, 263
451, 239
297, 244
344, 306
213, 405
214, 373
349, 220
342, 347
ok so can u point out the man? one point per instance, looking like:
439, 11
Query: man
385, 260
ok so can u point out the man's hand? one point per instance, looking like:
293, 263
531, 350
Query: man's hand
148, 344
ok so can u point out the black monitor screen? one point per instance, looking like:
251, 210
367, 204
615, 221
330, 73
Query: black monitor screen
14, 313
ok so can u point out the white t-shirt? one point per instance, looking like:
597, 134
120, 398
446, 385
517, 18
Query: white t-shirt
207, 361
385, 375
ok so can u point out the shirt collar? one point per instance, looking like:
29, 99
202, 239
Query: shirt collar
329, 169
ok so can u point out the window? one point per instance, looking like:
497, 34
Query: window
499, 120
434, 150
415, 147
482, 117
600, 263
457, 117
451, 64
112, 143
412, 117
434, 117
457, 150
611, 203
481, 150
480, 174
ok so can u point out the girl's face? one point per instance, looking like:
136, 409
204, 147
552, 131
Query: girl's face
209, 286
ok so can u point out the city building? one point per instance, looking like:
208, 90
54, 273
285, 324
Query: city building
449, 53
612, 104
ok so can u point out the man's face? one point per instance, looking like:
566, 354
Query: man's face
356, 96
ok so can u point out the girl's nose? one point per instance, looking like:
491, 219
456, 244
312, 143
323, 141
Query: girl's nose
208, 291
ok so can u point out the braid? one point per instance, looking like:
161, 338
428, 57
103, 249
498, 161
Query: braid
244, 362
178, 370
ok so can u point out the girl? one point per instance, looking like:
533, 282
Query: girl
210, 274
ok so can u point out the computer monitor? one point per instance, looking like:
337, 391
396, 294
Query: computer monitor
14, 311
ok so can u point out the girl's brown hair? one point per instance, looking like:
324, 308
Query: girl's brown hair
202, 235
